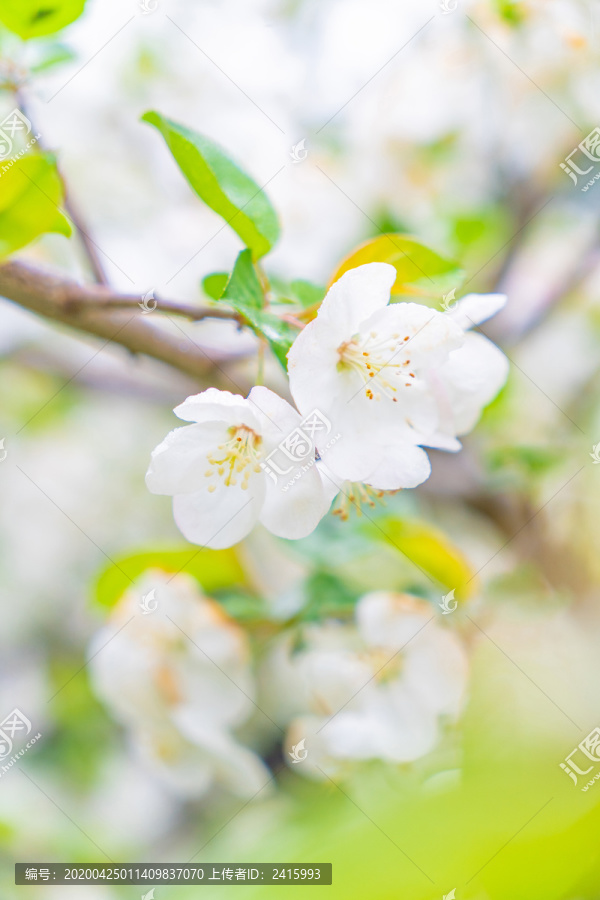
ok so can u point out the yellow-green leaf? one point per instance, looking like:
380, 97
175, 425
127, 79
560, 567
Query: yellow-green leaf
430, 549
35, 18
420, 271
30, 195
213, 569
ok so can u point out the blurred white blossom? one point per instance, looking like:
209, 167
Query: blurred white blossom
180, 682
374, 690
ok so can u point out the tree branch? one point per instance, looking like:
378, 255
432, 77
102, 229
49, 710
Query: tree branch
96, 310
174, 307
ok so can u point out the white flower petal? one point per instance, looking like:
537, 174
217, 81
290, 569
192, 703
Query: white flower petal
220, 519
234, 766
312, 367
355, 735
293, 508
437, 671
441, 441
357, 452
401, 466
332, 676
214, 405
314, 380
179, 462
387, 619
412, 729
214, 691
471, 379
428, 335
186, 770
475, 308
276, 417
313, 358
355, 296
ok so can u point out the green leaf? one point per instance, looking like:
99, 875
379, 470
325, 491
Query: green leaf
82, 733
327, 597
299, 298
297, 293
280, 335
214, 284
36, 18
420, 271
52, 55
528, 459
245, 294
245, 609
213, 569
243, 290
511, 11
306, 293
30, 193
221, 184
431, 550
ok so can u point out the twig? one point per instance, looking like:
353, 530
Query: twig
93, 258
96, 310
172, 307
89, 247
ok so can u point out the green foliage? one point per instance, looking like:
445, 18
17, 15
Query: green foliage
511, 11
430, 549
27, 399
298, 293
243, 290
474, 237
245, 294
83, 731
36, 18
525, 460
214, 284
213, 569
52, 55
30, 194
221, 184
420, 271
510, 826
244, 608
327, 597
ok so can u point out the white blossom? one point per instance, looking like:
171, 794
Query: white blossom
393, 378
213, 470
374, 690
179, 679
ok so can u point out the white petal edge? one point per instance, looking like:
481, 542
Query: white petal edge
471, 378
475, 308
220, 519
358, 294
402, 466
178, 464
294, 510
215, 405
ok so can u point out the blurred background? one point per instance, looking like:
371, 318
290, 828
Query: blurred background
448, 121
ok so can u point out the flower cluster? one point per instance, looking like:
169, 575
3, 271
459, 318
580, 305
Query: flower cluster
371, 690
374, 383
196, 709
179, 679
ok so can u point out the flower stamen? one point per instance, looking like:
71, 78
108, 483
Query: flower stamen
353, 495
238, 456
371, 355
